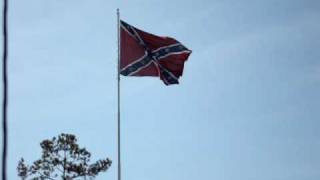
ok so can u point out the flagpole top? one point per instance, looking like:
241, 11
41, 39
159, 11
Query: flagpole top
118, 10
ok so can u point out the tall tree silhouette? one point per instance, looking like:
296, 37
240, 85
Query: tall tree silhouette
62, 158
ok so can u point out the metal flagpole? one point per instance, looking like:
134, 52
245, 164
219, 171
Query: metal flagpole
119, 152
5, 92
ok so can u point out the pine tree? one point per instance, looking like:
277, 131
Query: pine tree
62, 159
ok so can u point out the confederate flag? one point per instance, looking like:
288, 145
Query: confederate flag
145, 54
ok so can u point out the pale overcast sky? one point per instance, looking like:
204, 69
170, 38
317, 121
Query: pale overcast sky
247, 107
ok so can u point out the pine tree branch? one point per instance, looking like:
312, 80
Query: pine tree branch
44, 176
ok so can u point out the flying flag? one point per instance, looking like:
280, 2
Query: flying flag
145, 54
